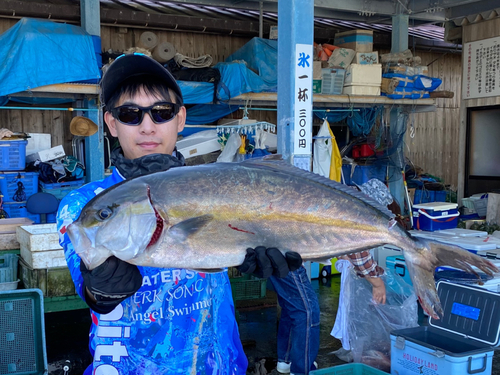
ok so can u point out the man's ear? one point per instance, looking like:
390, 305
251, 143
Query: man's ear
111, 122
181, 119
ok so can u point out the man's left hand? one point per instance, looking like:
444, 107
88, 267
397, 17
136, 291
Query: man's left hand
264, 262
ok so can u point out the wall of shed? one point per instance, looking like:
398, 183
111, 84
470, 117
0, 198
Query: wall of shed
434, 146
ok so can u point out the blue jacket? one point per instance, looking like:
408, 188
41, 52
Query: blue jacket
179, 322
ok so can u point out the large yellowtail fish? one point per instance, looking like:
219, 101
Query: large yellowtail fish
205, 217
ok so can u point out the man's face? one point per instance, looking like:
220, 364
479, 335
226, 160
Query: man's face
147, 137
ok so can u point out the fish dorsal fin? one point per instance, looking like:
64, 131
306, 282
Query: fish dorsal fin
281, 166
186, 228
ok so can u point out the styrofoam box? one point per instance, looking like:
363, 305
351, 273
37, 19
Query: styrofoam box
39, 246
365, 75
200, 143
361, 90
47, 155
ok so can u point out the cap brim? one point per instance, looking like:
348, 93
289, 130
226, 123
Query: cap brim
133, 65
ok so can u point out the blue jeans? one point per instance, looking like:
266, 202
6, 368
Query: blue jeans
298, 331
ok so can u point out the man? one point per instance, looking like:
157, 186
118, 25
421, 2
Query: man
151, 320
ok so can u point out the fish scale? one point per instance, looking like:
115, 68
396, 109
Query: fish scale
212, 213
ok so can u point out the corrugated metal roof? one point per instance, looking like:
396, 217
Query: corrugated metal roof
429, 32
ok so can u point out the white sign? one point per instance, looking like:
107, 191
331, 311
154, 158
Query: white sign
481, 75
303, 99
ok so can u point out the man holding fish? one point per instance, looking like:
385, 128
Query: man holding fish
204, 218
152, 320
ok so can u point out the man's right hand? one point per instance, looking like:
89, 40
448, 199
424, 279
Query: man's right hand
110, 284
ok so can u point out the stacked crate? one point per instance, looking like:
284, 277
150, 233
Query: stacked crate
16, 185
42, 264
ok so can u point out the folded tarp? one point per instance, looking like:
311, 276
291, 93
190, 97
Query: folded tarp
37, 52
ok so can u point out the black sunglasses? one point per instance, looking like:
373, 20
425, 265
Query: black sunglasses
132, 114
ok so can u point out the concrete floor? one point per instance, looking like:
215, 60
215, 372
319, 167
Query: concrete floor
67, 332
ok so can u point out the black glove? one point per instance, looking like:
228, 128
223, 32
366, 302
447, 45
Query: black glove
110, 283
263, 262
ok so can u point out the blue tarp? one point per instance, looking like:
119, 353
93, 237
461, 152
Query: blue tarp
37, 52
261, 56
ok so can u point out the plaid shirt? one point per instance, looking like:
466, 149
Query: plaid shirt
365, 265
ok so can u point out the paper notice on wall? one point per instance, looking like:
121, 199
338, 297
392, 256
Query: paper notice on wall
481, 68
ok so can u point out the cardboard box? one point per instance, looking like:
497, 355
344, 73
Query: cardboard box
358, 40
366, 58
341, 57
47, 155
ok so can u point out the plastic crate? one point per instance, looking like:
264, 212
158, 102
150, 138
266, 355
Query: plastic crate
60, 190
8, 268
18, 209
22, 333
9, 184
248, 287
426, 196
349, 369
363, 173
13, 155
333, 81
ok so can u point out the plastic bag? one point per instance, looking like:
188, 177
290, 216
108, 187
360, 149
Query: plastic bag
230, 150
370, 324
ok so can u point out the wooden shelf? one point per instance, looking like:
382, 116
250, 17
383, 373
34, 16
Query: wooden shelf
334, 100
61, 90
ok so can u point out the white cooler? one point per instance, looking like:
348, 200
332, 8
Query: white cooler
462, 342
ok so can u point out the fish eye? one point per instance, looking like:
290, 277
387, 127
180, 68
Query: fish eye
104, 213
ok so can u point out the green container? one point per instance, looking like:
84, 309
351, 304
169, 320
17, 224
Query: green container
22, 333
53, 282
317, 86
349, 369
248, 287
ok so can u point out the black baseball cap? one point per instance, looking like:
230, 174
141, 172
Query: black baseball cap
131, 65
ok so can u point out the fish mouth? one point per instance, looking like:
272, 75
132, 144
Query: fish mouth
159, 222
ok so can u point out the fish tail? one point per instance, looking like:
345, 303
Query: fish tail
423, 258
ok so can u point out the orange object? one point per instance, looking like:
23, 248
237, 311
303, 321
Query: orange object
327, 51
331, 47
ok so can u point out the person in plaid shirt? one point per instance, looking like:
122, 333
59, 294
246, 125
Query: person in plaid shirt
365, 266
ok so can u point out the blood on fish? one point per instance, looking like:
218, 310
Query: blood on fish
239, 230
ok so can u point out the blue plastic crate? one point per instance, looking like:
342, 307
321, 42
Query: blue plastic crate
397, 264
9, 184
363, 173
426, 196
61, 189
18, 209
332, 81
13, 155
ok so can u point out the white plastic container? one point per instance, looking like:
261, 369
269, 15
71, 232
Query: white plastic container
462, 342
365, 75
361, 90
39, 246
200, 143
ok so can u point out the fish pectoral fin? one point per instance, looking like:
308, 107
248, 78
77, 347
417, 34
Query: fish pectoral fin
189, 227
209, 270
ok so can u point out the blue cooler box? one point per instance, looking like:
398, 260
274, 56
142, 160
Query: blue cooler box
397, 264
462, 342
435, 216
